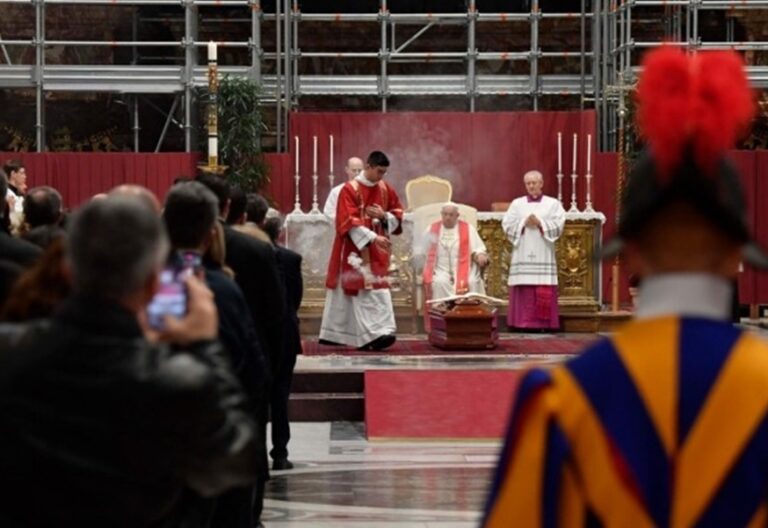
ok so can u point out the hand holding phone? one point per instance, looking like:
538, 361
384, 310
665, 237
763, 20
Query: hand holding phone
201, 321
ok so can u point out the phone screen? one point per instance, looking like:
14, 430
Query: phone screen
171, 297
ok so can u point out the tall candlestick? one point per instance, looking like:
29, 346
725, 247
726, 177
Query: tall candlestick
296, 162
588, 206
575, 142
315, 206
297, 180
212, 51
574, 207
330, 171
314, 154
559, 152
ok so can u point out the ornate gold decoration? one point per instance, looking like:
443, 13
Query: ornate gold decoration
499, 255
574, 252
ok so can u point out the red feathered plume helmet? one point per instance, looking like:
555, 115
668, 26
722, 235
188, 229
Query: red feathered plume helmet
691, 110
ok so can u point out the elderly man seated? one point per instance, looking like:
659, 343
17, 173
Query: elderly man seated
455, 256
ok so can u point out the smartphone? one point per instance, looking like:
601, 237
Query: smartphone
171, 297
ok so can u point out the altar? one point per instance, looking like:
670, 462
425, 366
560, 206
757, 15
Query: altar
579, 274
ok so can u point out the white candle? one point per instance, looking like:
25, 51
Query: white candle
559, 152
296, 139
575, 141
314, 155
213, 147
589, 153
211, 51
331, 163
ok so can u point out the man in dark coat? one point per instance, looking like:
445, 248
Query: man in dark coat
290, 264
190, 214
99, 426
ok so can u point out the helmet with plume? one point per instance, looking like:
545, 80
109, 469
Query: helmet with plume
691, 110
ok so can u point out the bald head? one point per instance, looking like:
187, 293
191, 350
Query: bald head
137, 191
354, 167
534, 183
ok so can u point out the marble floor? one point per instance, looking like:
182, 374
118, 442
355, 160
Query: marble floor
343, 481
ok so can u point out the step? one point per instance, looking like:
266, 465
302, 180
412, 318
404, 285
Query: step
327, 382
326, 407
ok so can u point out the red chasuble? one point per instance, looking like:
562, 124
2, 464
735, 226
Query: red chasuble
462, 267
353, 199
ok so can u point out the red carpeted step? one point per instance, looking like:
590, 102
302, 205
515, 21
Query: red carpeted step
421, 347
438, 404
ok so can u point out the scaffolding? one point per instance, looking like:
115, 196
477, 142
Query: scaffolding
607, 58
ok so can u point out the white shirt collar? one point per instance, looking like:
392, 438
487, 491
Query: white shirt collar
362, 179
685, 294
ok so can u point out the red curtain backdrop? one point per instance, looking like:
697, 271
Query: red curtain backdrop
483, 154
80, 175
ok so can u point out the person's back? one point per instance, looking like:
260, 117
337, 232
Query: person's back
666, 422
99, 427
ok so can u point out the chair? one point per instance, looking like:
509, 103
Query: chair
423, 217
427, 190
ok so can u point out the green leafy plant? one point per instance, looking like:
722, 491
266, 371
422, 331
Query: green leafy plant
240, 129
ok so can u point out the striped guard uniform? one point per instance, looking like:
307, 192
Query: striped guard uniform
662, 425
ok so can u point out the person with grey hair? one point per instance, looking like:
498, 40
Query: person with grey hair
117, 425
533, 223
12, 249
290, 266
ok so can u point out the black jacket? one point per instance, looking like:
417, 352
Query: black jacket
290, 266
256, 272
17, 250
100, 428
237, 332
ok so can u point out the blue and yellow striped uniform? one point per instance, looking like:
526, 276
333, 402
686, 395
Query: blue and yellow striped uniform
662, 425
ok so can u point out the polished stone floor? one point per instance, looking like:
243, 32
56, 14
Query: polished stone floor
343, 481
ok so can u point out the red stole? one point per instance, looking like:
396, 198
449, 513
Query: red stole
353, 199
462, 268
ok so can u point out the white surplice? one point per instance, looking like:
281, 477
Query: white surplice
329, 209
533, 250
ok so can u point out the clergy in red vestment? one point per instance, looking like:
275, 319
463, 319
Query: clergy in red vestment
358, 305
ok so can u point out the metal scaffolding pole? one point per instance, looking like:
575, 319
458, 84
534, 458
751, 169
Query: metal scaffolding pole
472, 53
278, 79
255, 43
384, 55
136, 128
190, 61
287, 75
534, 85
582, 56
39, 74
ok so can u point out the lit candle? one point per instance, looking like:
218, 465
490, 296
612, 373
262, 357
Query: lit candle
331, 163
296, 139
314, 155
589, 153
211, 51
575, 141
559, 152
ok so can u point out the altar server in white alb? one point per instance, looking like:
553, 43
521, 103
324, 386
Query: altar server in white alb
353, 167
533, 223
455, 256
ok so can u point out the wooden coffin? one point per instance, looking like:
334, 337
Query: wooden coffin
466, 325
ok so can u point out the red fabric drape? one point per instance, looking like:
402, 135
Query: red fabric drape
483, 154
78, 176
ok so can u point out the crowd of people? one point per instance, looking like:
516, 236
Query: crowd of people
145, 347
